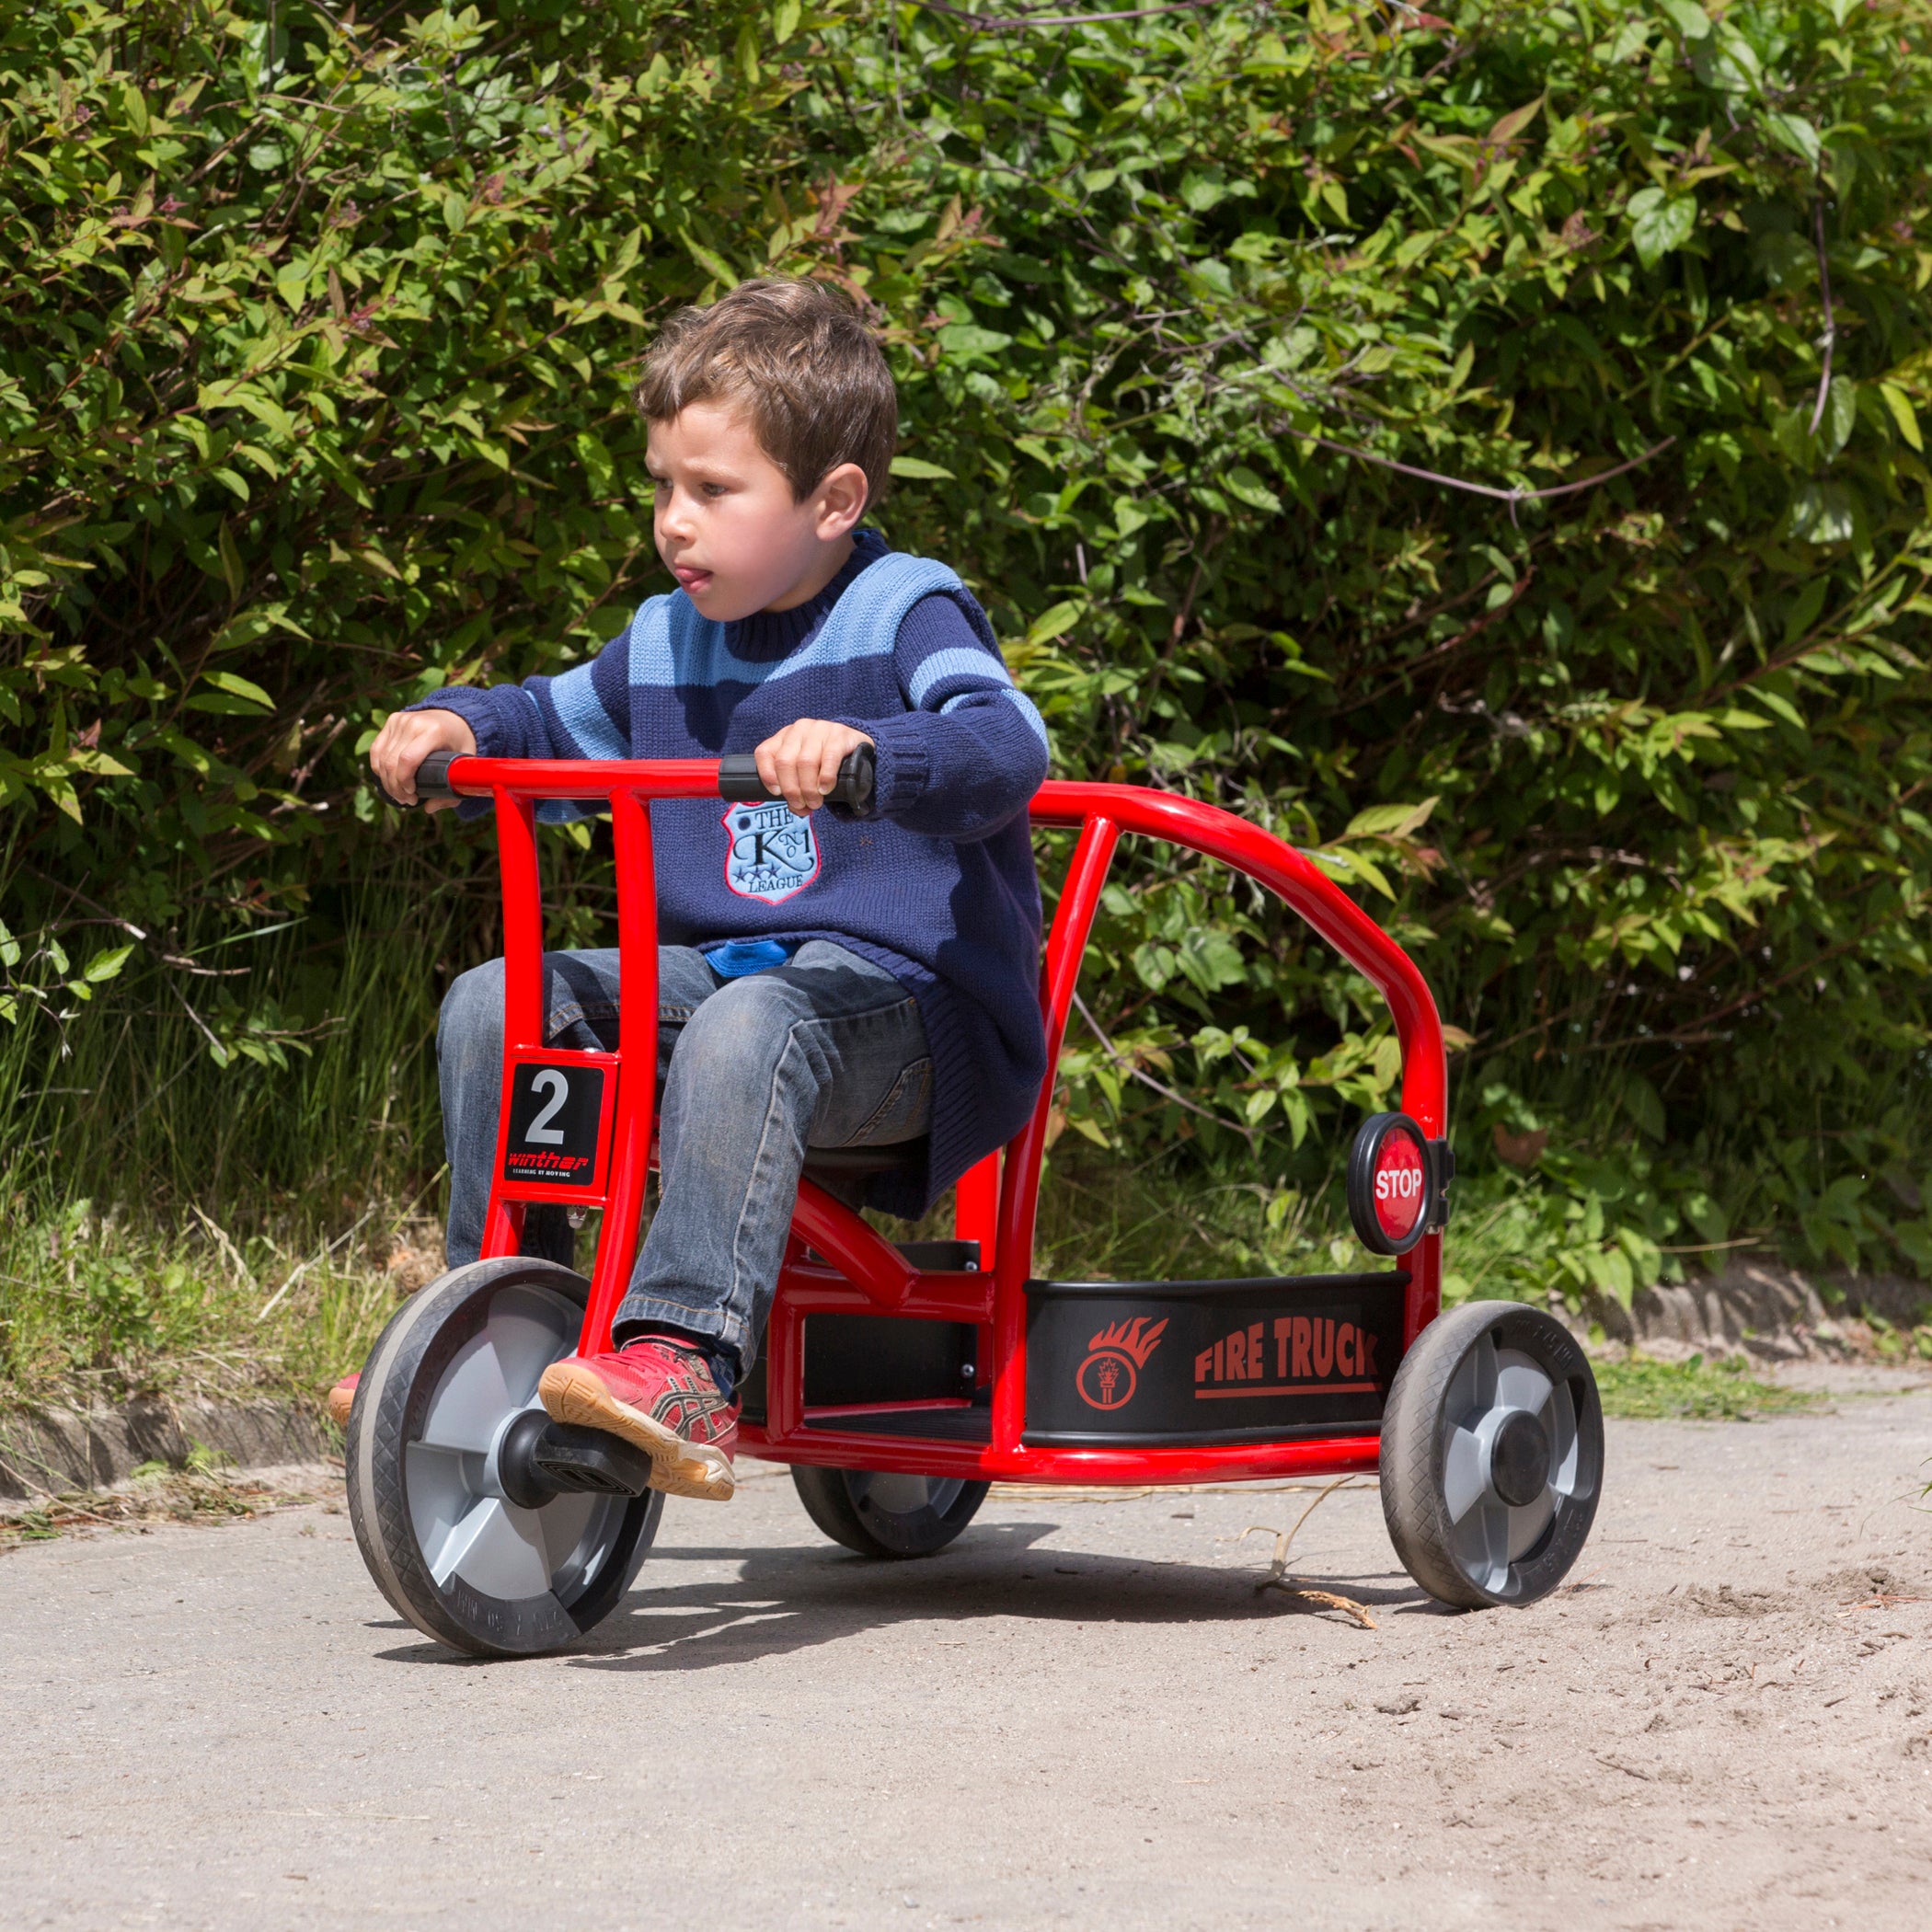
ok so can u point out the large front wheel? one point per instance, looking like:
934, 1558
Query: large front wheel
1492, 1454
460, 1536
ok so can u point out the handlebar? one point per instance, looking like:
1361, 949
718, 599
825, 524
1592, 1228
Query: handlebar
738, 779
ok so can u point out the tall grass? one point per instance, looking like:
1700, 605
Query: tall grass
156, 1201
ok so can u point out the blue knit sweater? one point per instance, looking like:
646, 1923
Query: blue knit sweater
935, 882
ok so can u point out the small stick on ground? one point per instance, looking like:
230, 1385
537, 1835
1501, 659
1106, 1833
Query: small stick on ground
1278, 1577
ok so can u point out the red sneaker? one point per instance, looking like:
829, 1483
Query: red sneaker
661, 1398
341, 1400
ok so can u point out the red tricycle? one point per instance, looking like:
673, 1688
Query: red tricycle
900, 1381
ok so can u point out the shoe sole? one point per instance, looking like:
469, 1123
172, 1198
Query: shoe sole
341, 1401
571, 1394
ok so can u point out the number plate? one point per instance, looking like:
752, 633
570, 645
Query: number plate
557, 1123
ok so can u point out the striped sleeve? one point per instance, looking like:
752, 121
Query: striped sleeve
970, 749
580, 713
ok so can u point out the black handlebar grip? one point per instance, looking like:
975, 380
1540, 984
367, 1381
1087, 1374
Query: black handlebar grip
738, 779
432, 776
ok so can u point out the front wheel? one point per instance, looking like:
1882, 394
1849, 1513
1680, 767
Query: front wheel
877, 1515
1492, 1454
456, 1532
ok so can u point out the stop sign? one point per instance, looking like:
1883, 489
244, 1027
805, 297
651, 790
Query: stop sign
1400, 1188
1396, 1183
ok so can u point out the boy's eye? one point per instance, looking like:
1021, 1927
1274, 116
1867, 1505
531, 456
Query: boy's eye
713, 490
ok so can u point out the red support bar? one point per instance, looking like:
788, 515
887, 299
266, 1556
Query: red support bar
1210, 1462
1020, 1193
523, 985
976, 1209
863, 1256
637, 1076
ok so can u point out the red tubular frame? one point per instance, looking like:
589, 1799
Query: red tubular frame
862, 1272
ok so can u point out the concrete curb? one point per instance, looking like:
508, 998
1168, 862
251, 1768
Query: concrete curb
47, 1450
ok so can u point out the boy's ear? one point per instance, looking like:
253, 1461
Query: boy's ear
840, 501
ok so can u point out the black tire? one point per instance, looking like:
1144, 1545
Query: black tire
875, 1514
1492, 1454
449, 1550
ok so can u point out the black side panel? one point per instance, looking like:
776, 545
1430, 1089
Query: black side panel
1115, 1365
884, 1358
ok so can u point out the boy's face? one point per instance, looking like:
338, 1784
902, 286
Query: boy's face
727, 525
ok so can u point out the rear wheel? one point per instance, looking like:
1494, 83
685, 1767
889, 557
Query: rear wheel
875, 1514
435, 1453
1492, 1454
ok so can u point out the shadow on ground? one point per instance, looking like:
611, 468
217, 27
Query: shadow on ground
795, 1597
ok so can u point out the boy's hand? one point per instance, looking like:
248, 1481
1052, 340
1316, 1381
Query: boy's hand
802, 761
407, 739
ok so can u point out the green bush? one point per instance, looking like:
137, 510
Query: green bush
314, 344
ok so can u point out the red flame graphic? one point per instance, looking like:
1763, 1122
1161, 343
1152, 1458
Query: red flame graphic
1128, 1337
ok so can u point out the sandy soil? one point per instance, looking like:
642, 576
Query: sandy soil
1085, 1715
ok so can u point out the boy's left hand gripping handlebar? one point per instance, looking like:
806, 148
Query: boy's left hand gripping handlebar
738, 779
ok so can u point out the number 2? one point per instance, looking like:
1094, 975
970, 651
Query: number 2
548, 1079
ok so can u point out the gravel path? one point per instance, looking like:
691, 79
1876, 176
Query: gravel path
1083, 1715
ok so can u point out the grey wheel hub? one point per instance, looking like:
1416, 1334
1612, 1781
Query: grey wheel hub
464, 1523
1509, 1454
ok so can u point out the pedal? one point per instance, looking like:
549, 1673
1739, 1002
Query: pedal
569, 1457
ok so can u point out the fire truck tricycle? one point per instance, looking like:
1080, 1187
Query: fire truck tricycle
900, 1380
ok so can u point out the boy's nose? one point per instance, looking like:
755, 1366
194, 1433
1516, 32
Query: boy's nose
673, 517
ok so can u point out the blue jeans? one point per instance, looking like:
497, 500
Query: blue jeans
827, 1051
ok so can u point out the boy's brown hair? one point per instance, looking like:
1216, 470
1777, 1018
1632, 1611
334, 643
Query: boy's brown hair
797, 359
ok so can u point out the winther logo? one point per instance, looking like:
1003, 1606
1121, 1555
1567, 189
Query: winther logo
1107, 1377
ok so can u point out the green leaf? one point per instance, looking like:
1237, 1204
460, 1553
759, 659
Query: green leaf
1840, 415
1689, 19
1795, 132
236, 686
1822, 513
233, 573
1803, 613
967, 339
1644, 1105
1053, 623
1903, 413
107, 963
917, 469
709, 261
1242, 483
1661, 223
1391, 821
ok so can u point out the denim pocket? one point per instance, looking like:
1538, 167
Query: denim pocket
906, 1111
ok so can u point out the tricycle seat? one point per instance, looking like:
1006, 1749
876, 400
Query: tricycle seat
855, 1163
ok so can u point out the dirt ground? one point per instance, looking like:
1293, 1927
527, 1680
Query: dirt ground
1085, 1714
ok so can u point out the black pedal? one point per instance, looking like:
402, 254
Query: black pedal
568, 1457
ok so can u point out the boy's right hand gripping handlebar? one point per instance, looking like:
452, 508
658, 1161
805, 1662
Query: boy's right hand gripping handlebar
737, 778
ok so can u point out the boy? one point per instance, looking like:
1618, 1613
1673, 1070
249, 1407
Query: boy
828, 979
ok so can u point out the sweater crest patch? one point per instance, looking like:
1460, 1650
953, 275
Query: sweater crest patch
769, 855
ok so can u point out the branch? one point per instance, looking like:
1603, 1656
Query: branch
1510, 497
1831, 327
1442, 650
1147, 1079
